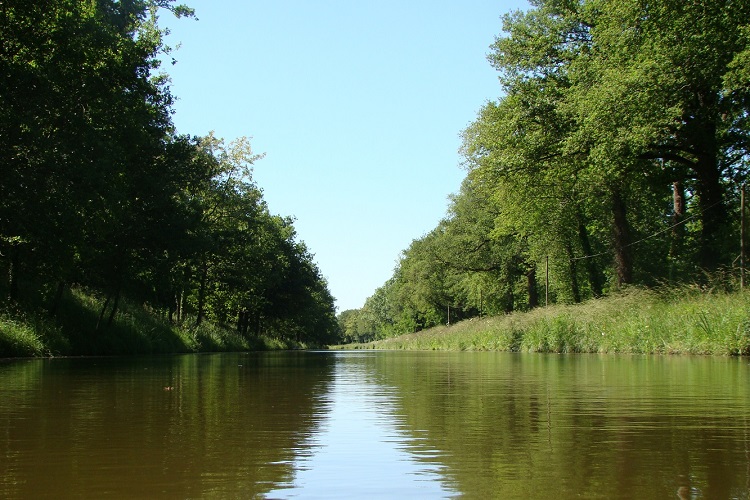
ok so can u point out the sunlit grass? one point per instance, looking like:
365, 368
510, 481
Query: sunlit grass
24, 335
638, 321
19, 339
77, 330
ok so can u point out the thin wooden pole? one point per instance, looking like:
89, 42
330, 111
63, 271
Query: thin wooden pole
546, 282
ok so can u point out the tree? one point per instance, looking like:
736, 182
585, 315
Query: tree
589, 109
77, 104
98, 190
653, 88
620, 139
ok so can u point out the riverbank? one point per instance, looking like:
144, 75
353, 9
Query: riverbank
685, 320
30, 332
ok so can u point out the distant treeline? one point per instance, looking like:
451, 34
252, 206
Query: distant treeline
616, 156
99, 192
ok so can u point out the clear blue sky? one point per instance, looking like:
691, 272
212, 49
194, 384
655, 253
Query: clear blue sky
358, 106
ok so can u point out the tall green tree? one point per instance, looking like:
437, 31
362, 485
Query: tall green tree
99, 191
78, 110
595, 94
653, 87
614, 154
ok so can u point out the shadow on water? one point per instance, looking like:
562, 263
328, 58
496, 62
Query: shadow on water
178, 427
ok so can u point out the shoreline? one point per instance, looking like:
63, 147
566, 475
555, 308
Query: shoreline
636, 321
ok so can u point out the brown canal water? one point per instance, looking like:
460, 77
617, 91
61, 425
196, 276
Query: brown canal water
376, 425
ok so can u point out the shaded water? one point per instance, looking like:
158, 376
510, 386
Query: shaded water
376, 424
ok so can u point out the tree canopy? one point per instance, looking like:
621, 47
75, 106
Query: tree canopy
615, 156
98, 190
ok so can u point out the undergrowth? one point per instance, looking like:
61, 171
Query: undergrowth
684, 320
77, 329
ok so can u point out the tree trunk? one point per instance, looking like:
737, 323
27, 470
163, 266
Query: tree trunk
101, 314
202, 292
713, 210
243, 322
678, 197
114, 308
621, 240
181, 306
178, 299
61, 286
187, 277
573, 270
509, 299
13, 274
678, 229
172, 313
702, 136
531, 287
258, 324
595, 277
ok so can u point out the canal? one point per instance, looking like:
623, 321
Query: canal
376, 424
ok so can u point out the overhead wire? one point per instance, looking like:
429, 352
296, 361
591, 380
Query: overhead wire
683, 221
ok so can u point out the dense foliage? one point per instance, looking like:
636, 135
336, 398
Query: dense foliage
99, 192
616, 156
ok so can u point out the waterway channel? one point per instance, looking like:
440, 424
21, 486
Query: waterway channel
376, 425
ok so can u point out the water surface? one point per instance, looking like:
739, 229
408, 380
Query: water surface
376, 424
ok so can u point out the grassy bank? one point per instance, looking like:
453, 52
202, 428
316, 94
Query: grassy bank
670, 321
30, 332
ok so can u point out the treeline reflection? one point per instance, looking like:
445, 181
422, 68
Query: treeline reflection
523, 426
185, 426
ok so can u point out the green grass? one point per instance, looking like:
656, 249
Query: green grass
682, 320
25, 334
669, 321
30, 332
18, 338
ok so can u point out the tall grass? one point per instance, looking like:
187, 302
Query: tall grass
76, 330
18, 338
668, 321
24, 334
